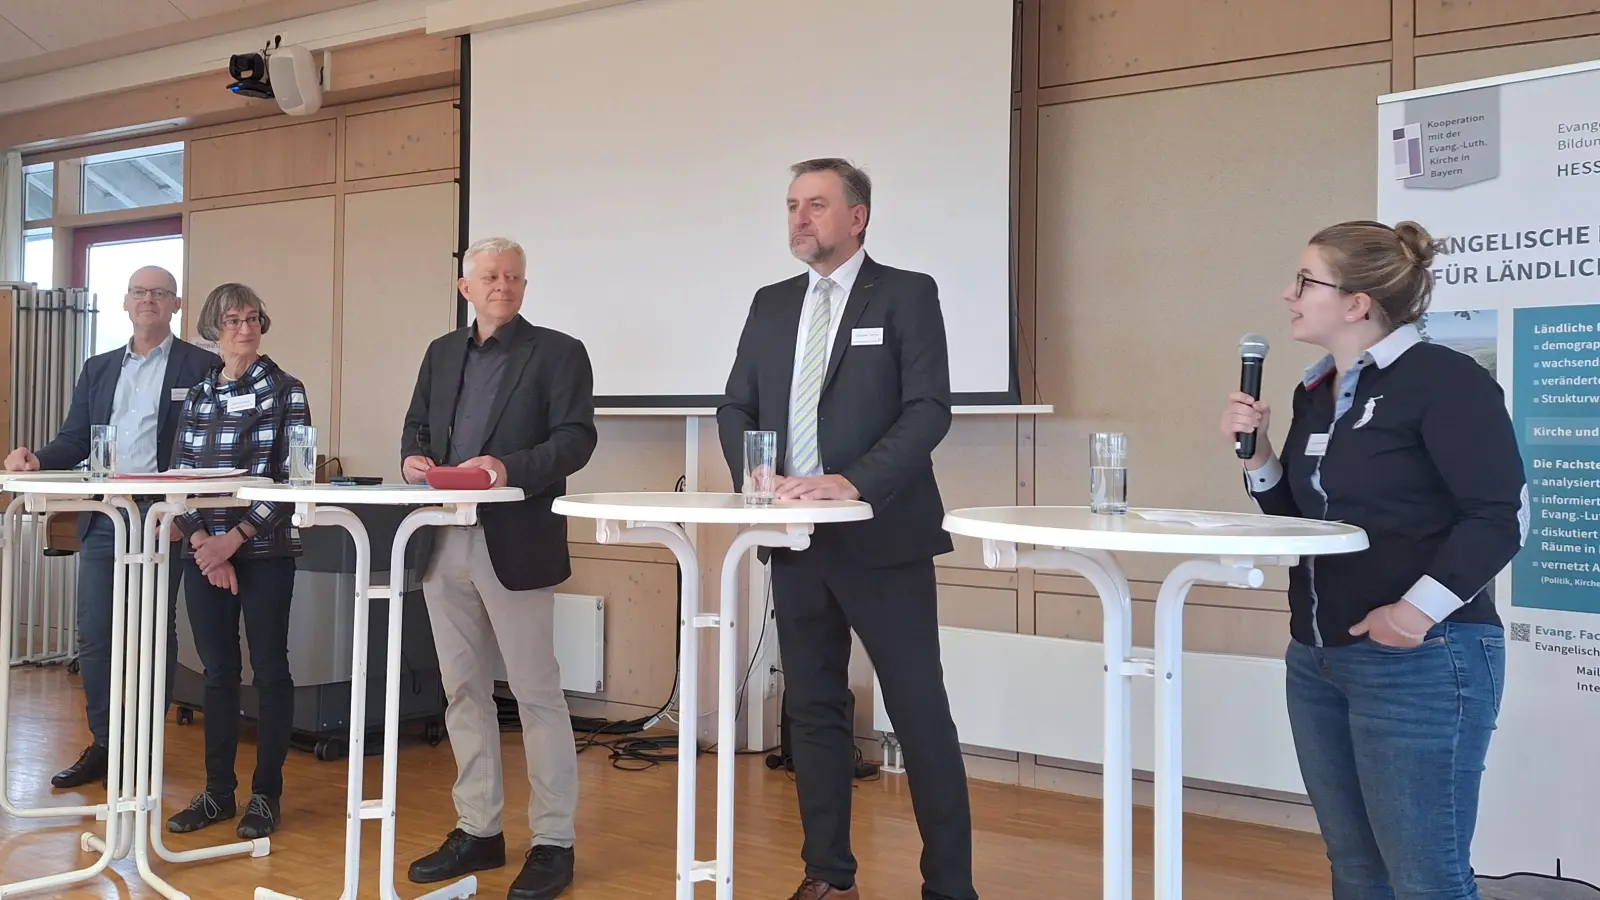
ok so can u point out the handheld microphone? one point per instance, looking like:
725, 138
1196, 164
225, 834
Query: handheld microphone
1252, 355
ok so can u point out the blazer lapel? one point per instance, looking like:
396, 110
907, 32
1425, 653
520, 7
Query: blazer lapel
521, 350
177, 359
860, 296
446, 392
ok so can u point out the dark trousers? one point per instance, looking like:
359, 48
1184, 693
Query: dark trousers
95, 571
819, 595
265, 589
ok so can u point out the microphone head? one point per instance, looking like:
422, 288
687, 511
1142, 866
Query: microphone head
1253, 346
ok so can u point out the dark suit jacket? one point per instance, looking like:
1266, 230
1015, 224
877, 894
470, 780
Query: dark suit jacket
542, 429
97, 390
883, 407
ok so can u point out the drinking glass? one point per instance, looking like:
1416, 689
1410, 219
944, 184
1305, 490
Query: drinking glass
1108, 474
760, 467
102, 451
302, 455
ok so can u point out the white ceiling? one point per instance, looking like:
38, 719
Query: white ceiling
44, 35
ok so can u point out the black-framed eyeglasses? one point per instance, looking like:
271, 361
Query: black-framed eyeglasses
1301, 280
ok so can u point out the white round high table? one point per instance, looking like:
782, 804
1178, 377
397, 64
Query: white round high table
1220, 548
658, 518
322, 504
141, 576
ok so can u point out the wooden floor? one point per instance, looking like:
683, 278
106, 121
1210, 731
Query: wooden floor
1029, 845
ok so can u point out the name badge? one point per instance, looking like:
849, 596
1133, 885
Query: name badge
242, 403
180, 394
1317, 445
866, 337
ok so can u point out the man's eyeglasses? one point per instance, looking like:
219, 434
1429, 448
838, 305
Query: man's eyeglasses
140, 293
1301, 280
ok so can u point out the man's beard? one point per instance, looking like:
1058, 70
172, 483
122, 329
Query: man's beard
809, 256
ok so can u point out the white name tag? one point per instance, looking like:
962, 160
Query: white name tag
180, 394
1317, 445
866, 337
242, 403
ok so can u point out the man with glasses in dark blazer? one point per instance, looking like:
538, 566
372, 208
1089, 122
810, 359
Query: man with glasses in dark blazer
138, 389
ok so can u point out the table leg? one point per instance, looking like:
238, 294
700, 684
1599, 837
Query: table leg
112, 812
674, 538
1105, 574
156, 584
1169, 708
10, 535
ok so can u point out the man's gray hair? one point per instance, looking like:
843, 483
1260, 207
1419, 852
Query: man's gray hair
857, 186
491, 246
225, 299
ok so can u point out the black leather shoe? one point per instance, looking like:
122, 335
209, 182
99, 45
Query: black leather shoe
91, 766
546, 874
460, 855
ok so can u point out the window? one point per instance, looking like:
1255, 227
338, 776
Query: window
39, 198
132, 179
39, 258
106, 256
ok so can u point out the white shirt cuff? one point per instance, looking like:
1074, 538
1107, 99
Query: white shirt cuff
1267, 477
1433, 598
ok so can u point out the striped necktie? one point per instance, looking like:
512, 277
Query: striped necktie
813, 364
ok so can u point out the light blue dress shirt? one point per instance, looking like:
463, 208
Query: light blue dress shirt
136, 408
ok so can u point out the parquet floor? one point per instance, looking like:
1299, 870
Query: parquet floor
1029, 845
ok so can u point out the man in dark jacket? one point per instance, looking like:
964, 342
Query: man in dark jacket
515, 399
138, 389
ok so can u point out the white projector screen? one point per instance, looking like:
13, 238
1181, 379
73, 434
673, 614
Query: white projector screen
640, 155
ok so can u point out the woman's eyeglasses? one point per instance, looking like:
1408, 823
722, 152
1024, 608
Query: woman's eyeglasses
1301, 280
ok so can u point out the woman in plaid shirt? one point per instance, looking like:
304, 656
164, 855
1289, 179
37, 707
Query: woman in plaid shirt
241, 560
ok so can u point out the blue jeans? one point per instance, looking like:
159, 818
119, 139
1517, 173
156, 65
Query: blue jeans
95, 571
1392, 746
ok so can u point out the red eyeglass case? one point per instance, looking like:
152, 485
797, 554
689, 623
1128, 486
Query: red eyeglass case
457, 478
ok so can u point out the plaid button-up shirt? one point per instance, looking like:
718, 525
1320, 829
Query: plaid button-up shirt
244, 424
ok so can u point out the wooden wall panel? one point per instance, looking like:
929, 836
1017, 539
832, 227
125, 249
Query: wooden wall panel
400, 141
1450, 68
267, 160
1137, 250
641, 633
976, 466
399, 277
1436, 16
1087, 40
285, 251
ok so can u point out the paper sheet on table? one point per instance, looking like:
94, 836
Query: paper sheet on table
1197, 519
180, 474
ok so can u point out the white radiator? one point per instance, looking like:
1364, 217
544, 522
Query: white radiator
1045, 696
580, 644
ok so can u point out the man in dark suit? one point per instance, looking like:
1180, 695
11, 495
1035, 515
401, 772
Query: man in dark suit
139, 389
516, 399
848, 364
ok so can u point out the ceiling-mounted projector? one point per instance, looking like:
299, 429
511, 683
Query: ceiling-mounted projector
289, 75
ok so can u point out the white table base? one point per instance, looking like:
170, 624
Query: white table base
133, 820
691, 622
383, 809
1109, 581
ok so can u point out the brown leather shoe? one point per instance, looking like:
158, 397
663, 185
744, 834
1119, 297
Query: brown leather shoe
813, 889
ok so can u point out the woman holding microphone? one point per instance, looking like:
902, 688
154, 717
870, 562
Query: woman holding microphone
241, 559
1397, 660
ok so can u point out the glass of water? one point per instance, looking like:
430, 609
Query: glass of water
102, 451
760, 467
1108, 474
302, 455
